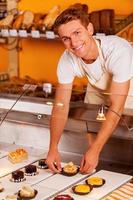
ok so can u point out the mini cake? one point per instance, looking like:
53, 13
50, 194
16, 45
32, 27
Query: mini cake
17, 176
17, 156
11, 197
27, 192
70, 169
63, 197
95, 181
1, 188
82, 189
42, 164
30, 170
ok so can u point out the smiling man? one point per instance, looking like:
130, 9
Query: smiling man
107, 62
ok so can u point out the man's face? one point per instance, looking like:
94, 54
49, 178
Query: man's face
76, 37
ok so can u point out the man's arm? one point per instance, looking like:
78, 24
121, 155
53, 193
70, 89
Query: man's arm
119, 92
57, 123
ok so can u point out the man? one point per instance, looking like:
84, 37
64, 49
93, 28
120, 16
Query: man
108, 64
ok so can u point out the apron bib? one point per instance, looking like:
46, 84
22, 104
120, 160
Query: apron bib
97, 90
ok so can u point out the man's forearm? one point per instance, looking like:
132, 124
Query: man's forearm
105, 131
57, 124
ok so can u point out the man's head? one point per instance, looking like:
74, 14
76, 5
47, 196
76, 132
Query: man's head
71, 14
75, 31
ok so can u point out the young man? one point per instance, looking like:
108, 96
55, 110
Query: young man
108, 64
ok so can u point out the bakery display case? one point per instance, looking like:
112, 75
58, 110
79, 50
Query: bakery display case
25, 111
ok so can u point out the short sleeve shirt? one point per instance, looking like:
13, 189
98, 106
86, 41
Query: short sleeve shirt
118, 58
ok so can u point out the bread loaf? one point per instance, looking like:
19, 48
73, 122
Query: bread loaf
7, 21
18, 22
51, 16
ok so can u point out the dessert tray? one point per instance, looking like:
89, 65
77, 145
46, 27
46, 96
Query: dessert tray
48, 185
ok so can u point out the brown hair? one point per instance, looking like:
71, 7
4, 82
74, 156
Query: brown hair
72, 13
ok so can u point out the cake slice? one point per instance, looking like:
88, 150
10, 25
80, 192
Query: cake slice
17, 156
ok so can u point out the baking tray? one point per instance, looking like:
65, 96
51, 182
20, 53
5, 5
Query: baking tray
113, 181
7, 167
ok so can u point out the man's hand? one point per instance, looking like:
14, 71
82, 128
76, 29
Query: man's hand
53, 161
89, 161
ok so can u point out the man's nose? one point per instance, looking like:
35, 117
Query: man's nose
73, 41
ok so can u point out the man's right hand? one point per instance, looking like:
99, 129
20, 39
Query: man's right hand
53, 161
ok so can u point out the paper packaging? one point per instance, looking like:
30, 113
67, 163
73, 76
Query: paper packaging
47, 87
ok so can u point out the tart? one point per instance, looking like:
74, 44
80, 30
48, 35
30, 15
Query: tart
70, 169
63, 197
30, 170
42, 164
82, 189
27, 192
17, 156
95, 181
17, 176
11, 197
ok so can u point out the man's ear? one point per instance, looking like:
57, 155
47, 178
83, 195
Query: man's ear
90, 28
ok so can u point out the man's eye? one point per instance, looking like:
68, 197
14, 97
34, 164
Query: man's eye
65, 39
77, 32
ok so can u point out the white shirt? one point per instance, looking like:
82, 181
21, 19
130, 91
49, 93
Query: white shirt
118, 56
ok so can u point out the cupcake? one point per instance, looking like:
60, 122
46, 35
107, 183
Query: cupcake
42, 164
17, 176
82, 189
30, 170
27, 192
70, 169
95, 181
63, 197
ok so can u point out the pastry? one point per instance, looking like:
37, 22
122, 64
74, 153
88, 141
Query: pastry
95, 181
11, 197
70, 169
17, 156
42, 164
82, 189
27, 192
30, 170
63, 197
1, 188
17, 176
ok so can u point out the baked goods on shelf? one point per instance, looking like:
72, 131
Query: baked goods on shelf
1, 188
82, 189
27, 192
95, 181
17, 156
42, 164
17, 176
70, 169
63, 197
11, 197
30, 170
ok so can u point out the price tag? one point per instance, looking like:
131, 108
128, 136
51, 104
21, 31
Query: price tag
5, 32
35, 34
50, 34
13, 33
23, 33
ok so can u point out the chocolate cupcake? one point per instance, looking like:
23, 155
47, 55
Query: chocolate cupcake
30, 170
82, 189
42, 164
95, 181
63, 197
70, 169
17, 176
